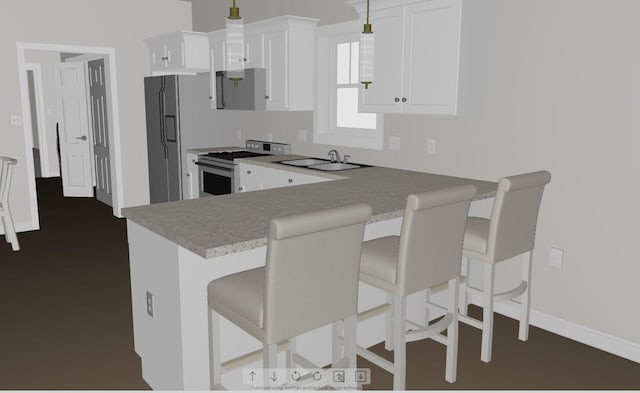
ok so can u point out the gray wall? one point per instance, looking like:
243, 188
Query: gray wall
546, 84
119, 24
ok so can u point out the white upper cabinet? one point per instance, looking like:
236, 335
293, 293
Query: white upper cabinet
284, 46
417, 53
182, 52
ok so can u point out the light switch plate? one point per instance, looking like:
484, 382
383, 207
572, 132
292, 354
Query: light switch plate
555, 258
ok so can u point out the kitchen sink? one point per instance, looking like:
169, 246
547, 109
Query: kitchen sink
334, 166
305, 162
320, 164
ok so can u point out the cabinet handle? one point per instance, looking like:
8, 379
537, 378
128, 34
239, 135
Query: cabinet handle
266, 97
248, 172
165, 58
404, 99
397, 99
290, 180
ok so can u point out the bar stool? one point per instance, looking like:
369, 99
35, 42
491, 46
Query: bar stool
427, 253
6, 171
510, 232
310, 280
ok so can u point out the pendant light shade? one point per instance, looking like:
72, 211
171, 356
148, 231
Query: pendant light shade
235, 45
367, 53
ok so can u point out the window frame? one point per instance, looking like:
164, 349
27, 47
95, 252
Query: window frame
325, 117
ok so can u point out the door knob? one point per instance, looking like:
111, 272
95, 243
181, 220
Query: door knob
404, 99
397, 99
82, 138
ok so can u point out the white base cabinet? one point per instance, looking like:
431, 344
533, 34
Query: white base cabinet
258, 177
183, 52
417, 56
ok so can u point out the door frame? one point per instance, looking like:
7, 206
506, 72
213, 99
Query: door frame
45, 169
109, 55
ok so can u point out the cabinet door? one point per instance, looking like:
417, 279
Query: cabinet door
175, 54
432, 47
386, 89
253, 51
276, 63
157, 55
250, 177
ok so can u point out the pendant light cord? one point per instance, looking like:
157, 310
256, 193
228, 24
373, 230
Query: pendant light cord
367, 11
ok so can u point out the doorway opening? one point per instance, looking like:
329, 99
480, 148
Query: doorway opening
71, 121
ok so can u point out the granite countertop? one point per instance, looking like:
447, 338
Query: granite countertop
220, 225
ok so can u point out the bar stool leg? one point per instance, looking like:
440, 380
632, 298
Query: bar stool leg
388, 329
452, 332
487, 314
269, 361
214, 350
525, 298
464, 296
350, 326
425, 311
399, 307
336, 345
291, 349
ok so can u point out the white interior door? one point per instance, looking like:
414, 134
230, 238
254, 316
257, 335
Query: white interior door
75, 151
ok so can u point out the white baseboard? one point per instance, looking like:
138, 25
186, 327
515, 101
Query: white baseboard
594, 338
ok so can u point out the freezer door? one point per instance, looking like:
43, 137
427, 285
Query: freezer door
171, 125
156, 150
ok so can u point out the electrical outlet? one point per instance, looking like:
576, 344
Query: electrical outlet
239, 135
16, 120
302, 135
150, 304
394, 143
270, 136
555, 258
431, 146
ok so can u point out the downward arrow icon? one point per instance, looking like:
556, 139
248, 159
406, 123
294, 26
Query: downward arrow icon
275, 377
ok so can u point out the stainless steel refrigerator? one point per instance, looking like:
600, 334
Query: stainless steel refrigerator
179, 117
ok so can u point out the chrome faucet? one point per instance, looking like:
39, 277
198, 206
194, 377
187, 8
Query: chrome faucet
334, 155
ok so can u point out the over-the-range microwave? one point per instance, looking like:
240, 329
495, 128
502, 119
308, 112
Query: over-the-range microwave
248, 94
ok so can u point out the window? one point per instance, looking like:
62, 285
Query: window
347, 83
337, 120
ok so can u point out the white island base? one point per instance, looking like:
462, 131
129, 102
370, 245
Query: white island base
173, 343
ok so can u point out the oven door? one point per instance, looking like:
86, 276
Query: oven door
215, 179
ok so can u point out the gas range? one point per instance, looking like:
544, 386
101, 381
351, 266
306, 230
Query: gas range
254, 149
217, 170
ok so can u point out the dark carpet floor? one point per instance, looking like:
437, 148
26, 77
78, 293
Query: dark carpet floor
65, 321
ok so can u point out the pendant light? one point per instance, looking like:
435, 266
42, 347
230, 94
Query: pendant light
367, 52
235, 45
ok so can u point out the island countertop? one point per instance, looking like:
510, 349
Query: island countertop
220, 225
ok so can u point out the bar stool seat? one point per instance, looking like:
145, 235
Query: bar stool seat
310, 280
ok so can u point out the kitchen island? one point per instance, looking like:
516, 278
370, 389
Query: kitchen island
177, 248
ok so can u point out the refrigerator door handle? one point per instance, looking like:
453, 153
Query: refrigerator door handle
163, 131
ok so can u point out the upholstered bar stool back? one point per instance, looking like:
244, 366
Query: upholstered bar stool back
508, 233
310, 280
6, 219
